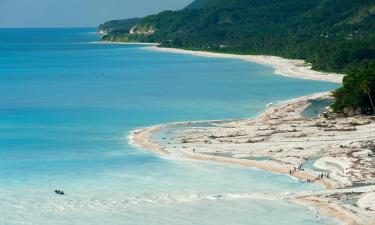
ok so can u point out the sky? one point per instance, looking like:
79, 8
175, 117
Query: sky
78, 13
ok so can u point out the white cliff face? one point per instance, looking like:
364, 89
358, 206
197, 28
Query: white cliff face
144, 30
102, 32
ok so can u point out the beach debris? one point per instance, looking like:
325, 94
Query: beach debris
255, 140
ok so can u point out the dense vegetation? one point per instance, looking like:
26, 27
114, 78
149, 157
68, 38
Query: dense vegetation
333, 35
358, 91
119, 27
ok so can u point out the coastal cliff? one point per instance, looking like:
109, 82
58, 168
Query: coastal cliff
113, 26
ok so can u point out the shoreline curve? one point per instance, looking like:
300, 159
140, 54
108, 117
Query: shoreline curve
143, 138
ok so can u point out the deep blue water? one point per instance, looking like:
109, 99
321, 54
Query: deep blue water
67, 106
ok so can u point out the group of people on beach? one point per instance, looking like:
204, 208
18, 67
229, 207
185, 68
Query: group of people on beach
322, 175
319, 177
299, 168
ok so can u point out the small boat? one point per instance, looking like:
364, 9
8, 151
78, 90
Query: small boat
270, 104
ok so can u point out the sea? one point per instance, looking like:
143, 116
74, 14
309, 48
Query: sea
67, 106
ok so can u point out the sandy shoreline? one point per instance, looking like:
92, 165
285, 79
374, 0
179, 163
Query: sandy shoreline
204, 143
285, 67
340, 145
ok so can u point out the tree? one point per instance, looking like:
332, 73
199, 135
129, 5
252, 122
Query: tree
365, 87
358, 88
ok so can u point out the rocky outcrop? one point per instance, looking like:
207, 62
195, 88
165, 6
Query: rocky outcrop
122, 26
102, 31
142, 30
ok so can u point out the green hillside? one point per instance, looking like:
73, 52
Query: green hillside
120, 26
333, 35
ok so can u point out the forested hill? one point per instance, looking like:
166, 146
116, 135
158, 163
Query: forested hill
333, 35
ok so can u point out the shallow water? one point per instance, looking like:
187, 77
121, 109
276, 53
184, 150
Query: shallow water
67, 106
317, 106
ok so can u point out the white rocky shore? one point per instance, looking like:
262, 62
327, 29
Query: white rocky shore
338, 152
282, 140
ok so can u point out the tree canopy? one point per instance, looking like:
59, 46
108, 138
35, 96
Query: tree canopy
358, 91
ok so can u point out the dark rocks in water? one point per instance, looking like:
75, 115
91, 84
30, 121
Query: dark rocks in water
59, 192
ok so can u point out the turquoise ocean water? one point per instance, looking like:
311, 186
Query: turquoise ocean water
67, 106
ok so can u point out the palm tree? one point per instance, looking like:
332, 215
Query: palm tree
365, 87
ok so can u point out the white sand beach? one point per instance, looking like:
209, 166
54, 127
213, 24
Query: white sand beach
343, 148
285, 67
